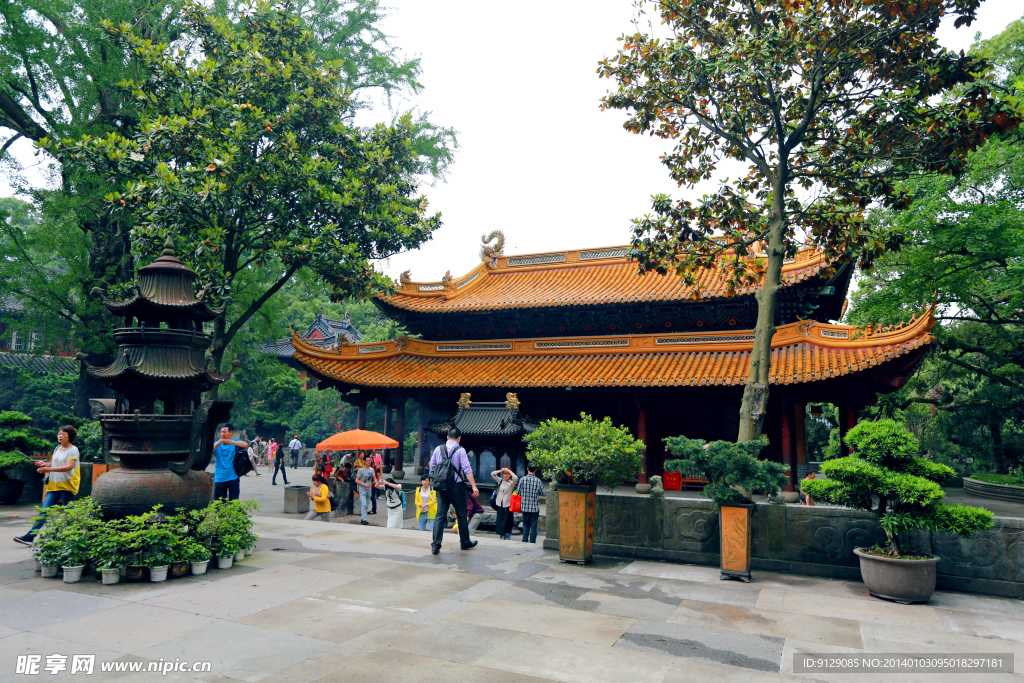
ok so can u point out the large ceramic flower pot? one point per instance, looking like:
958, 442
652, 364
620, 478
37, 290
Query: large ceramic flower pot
735, 538
897, 579
576, 505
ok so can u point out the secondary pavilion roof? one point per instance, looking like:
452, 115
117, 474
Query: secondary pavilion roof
573, 278
805, 351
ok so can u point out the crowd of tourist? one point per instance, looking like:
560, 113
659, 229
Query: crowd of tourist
447, 485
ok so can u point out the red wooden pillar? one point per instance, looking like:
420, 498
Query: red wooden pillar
400, 434
788, 455
361, 414
641, 433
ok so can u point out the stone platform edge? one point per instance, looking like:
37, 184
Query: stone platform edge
799, 539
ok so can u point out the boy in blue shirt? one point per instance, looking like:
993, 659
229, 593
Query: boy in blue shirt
225, 479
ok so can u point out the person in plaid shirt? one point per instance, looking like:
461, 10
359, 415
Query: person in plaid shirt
530, 489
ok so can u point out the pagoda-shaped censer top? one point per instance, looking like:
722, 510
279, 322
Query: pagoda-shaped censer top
162, 349
166, 292
157, 429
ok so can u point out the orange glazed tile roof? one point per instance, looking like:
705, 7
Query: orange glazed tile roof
804, 351
573, 278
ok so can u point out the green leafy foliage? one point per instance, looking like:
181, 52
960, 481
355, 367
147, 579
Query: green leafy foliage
17, 439
585, 451
885, 443
888, 479
42, 397
247, 156
728, 467
61, 76
963, 245
829, 104
67, 537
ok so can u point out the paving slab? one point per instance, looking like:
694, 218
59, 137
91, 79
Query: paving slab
212, 600
29, 643
456, 642
550, 659
322, 618
128, 628
810, 628
763, 653
241, 651
365, 603
983, 625
545, 621
33, 610
878, 611
393, 665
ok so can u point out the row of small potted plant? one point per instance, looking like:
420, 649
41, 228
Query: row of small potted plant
75, 535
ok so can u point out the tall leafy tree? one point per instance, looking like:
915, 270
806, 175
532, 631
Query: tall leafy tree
58, 79
829, 103
58, 76
964, 245
245, 155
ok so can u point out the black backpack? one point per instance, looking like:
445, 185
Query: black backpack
443, 474
243, 465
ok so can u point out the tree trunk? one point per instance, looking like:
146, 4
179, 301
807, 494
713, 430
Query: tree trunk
995, 429
87, 387
217, 350
755, 393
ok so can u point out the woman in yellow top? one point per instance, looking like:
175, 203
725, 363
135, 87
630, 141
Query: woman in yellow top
426, 504
321, 497
64, 477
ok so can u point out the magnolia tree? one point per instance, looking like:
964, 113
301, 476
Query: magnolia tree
829, 103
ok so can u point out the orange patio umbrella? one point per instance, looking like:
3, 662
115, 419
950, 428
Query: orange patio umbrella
356, 439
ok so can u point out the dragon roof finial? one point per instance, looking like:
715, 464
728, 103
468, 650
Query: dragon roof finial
489, 254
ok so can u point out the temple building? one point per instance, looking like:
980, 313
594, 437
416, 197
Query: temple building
323, 332
580, 331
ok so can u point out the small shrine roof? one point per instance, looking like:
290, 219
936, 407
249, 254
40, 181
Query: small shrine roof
323, 332
573, 278
486, 418
805, 351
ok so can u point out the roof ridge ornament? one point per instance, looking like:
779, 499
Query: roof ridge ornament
511, 401
464, 401
489, 254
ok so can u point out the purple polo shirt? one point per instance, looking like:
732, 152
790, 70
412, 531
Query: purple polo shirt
460, 461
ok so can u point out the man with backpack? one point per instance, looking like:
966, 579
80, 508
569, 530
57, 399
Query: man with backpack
449, 470
294, 445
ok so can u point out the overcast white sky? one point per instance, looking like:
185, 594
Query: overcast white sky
537, 159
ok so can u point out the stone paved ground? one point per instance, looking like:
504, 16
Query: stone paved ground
354, 603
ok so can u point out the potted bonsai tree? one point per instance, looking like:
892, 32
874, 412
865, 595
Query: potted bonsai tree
580, 455
16, 438
734, 473
883, 474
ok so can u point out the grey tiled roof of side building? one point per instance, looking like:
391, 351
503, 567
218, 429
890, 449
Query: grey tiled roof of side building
40, 363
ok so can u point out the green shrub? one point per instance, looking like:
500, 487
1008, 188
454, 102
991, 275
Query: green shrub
13, 460
884, 475
66, 538
585, 451
727, 466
